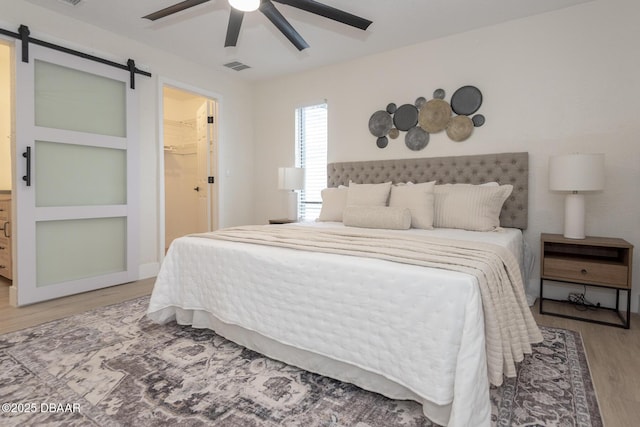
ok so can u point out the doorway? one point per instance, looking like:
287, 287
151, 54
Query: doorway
190, 162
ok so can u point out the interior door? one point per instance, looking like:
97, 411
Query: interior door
204, 127
202, 130
76, 179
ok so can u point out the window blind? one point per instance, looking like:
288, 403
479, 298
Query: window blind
311, 154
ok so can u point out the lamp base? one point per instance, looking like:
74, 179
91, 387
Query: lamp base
292, 205
574, 216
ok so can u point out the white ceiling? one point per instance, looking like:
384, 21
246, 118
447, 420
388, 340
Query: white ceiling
197, 34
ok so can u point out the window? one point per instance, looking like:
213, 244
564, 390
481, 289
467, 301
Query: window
311, 154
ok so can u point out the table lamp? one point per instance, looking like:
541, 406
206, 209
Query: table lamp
291, 179
576, 173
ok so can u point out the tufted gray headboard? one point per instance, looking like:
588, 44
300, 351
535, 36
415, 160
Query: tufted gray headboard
504, 168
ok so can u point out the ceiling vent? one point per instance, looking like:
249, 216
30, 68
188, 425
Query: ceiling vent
70, 2
235, 65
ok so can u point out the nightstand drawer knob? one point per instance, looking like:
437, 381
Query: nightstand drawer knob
583, 271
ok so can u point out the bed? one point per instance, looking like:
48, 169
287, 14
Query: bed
397, 325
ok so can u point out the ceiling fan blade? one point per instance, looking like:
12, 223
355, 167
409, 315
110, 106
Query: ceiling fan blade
178, 7
328, 12
270, 11
233, 29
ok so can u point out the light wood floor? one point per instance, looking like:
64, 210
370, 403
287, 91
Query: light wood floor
613, 353
13, 319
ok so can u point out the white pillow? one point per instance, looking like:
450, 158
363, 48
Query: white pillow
419, 199
334, 201
470, 207
368, 194
393, 218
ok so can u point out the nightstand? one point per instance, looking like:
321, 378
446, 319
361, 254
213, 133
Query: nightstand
594, 261
282, 221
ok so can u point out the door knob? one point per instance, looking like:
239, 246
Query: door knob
196, 188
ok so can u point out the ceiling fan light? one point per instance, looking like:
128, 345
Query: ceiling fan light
245, 5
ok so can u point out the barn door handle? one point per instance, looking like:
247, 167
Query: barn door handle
27, 177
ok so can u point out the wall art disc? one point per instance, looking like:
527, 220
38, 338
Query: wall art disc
394, 133
478, 120
391, 108
466, 100
416, 139
434, 116
438, 94
420, 101
405, 117
382, 142
459, 128
380, 123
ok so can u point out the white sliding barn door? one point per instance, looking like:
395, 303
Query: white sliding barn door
76, 176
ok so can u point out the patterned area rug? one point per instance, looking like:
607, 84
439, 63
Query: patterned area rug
113, 367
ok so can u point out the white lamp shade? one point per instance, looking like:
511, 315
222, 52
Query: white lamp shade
290, 178
245, 5
576, 172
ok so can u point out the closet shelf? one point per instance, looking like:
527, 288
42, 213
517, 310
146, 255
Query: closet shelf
181, 123
185, 149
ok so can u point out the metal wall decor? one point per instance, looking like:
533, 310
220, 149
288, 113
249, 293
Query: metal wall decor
425, 117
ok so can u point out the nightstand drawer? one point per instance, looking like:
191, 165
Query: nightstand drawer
585, 271
5, 264
5, 244
4, 210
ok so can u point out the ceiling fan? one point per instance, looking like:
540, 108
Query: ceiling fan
239, 7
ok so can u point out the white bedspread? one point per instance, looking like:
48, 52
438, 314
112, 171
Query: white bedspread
419, 327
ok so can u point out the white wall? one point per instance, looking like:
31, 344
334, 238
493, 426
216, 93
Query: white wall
560, 82
236, 145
